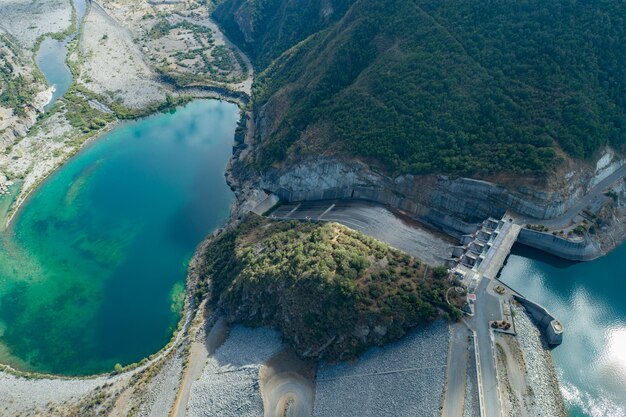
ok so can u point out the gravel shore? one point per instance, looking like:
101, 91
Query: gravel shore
229, 385
405, 378
20, 396
162, 389
114, 66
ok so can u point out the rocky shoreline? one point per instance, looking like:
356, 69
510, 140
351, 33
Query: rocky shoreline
541, 372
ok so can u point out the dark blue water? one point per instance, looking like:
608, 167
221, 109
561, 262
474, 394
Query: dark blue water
590, 300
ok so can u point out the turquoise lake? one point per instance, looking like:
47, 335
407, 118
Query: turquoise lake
589, 298
92, 268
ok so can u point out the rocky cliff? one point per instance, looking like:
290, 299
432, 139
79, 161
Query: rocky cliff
451, 203
438, 198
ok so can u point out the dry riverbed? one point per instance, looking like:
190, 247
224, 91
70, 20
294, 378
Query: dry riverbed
113, 66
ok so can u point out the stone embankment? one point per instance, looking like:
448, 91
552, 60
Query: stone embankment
551, 327
229, 382
405, 378
541, 374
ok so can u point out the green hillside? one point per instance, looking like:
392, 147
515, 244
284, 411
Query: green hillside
454, 86
264, 29
325, 287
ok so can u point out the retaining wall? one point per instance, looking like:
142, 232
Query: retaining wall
545, 320
585, 250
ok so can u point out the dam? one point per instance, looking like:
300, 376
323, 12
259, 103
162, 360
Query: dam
476, 262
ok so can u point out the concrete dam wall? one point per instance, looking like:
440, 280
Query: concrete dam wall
585, 250
547, 323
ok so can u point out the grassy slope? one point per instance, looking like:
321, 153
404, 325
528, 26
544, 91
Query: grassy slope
318, 283
452, 86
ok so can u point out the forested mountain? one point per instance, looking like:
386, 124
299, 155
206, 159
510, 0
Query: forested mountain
267, 28
453, 86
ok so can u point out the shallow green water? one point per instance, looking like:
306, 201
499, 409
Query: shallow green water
92, 268
590, 300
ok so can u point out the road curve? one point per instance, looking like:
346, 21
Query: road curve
566, 218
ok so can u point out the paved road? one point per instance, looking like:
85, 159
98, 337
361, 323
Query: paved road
500, 250
456, 374
566, 218
432, 246
487, 309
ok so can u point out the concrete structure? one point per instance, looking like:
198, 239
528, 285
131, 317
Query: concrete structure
266, 205
583, 250
548, 324
478, 262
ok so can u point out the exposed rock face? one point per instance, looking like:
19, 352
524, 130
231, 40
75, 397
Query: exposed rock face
17, 126
450, 203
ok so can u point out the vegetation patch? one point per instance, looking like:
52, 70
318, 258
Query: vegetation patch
82, 115
331, 291
17, 88
186, 54
428, 86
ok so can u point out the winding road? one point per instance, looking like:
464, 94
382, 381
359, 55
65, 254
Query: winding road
566, 218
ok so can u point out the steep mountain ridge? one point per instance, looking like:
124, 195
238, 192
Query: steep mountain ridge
421, 86
267, 28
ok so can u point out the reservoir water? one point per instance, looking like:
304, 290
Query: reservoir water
51, 58
590, 300
92, 268
51, 61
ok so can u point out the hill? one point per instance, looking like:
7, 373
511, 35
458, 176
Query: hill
331, 291
423, 86
265, 29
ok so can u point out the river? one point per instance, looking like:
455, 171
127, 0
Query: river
589, 298
92, 268
51, 58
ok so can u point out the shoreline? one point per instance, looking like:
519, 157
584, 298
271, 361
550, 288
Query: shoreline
187, 312
23, 195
